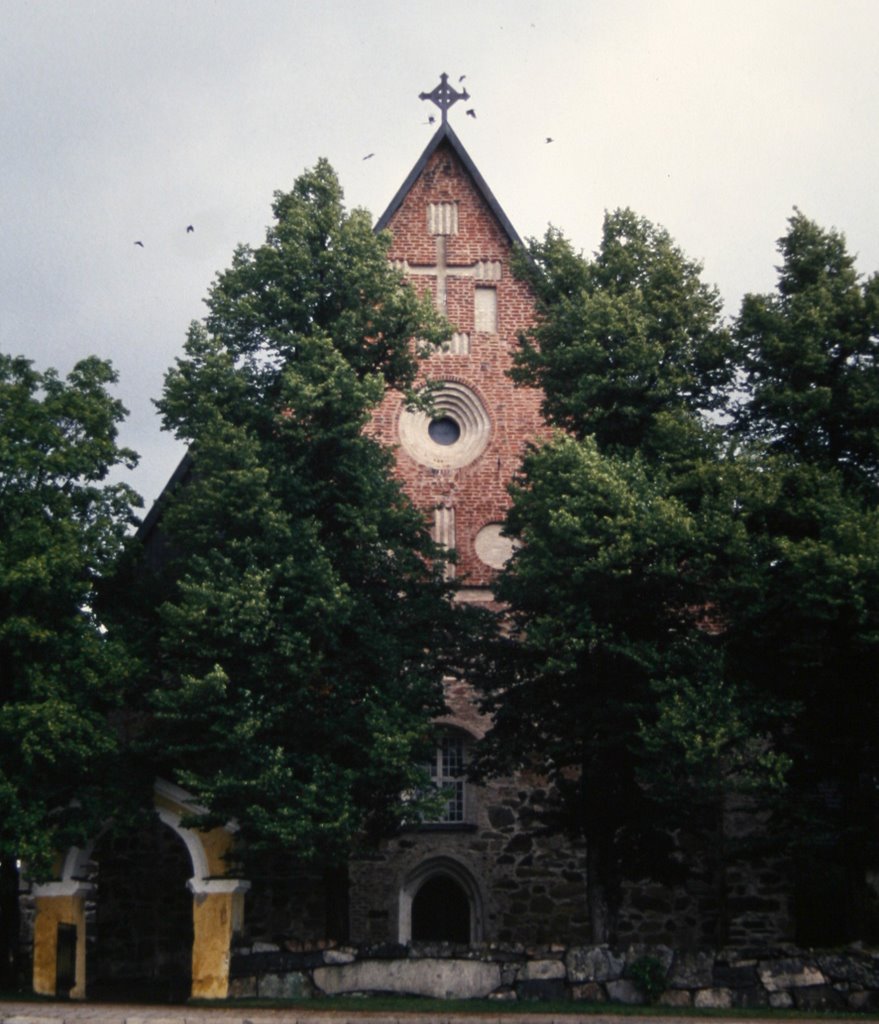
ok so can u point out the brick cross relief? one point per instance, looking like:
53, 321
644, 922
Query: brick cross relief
442, 221
481, 270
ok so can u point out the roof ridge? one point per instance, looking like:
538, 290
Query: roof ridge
445, 132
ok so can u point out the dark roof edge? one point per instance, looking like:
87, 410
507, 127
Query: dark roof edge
151, 519
446, 133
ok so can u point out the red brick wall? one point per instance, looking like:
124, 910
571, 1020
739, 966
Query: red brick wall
478, 492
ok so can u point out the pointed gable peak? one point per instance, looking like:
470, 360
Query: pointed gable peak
445, 134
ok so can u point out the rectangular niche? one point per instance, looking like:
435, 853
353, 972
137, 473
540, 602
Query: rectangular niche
485, 309
444, 533
442, 218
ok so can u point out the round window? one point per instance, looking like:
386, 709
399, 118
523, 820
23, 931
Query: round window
454, 436
444, 430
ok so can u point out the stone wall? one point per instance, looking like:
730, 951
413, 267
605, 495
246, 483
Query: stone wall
778, 978
527, 878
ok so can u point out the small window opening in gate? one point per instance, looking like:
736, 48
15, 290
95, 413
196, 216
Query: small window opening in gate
444, 430
441, 912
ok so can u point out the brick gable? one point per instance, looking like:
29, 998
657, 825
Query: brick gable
476, 254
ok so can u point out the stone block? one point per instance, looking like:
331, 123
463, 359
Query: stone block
664, 954
676, 997
501, 817
550, 989
734, 976
781, 1000
242, 988
591, 992
713, 999
542, 970
624, 991
818, 997
691, 970
293, 985
790, 973
857, 970
440, 979
749, 998
864, 1002
594, 963
509, 974
338, 956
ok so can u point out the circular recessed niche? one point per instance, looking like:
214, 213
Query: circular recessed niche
454, 436
492, 548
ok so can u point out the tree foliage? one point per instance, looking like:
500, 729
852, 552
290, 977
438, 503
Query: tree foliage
61, 526
695, 607
635, 550
810, 355
591, 592
629, 344
304, 641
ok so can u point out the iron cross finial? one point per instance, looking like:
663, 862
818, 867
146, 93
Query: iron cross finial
444, 95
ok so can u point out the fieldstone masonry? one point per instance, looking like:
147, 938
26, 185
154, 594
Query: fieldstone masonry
777, 978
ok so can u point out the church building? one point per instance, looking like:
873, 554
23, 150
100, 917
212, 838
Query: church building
486, 871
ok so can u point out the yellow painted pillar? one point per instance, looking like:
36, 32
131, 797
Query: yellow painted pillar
217, 914
58, 903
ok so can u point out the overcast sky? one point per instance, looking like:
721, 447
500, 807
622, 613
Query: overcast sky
130, 119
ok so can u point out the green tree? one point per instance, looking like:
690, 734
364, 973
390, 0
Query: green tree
809, 350
593, 592
629, 346
307, 625
709, 759
61, 526
810, 636
633, 543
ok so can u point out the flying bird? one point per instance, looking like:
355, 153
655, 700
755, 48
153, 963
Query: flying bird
548, 139
461, 78
369, 156
139, 243
189, 229
431, 119
470, 113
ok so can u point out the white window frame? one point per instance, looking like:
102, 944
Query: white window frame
446, 770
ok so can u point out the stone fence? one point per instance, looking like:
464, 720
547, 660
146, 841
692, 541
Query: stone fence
780, 978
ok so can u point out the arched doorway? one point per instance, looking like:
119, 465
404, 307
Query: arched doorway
441, 911
140, 927
441, 901
197, 908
